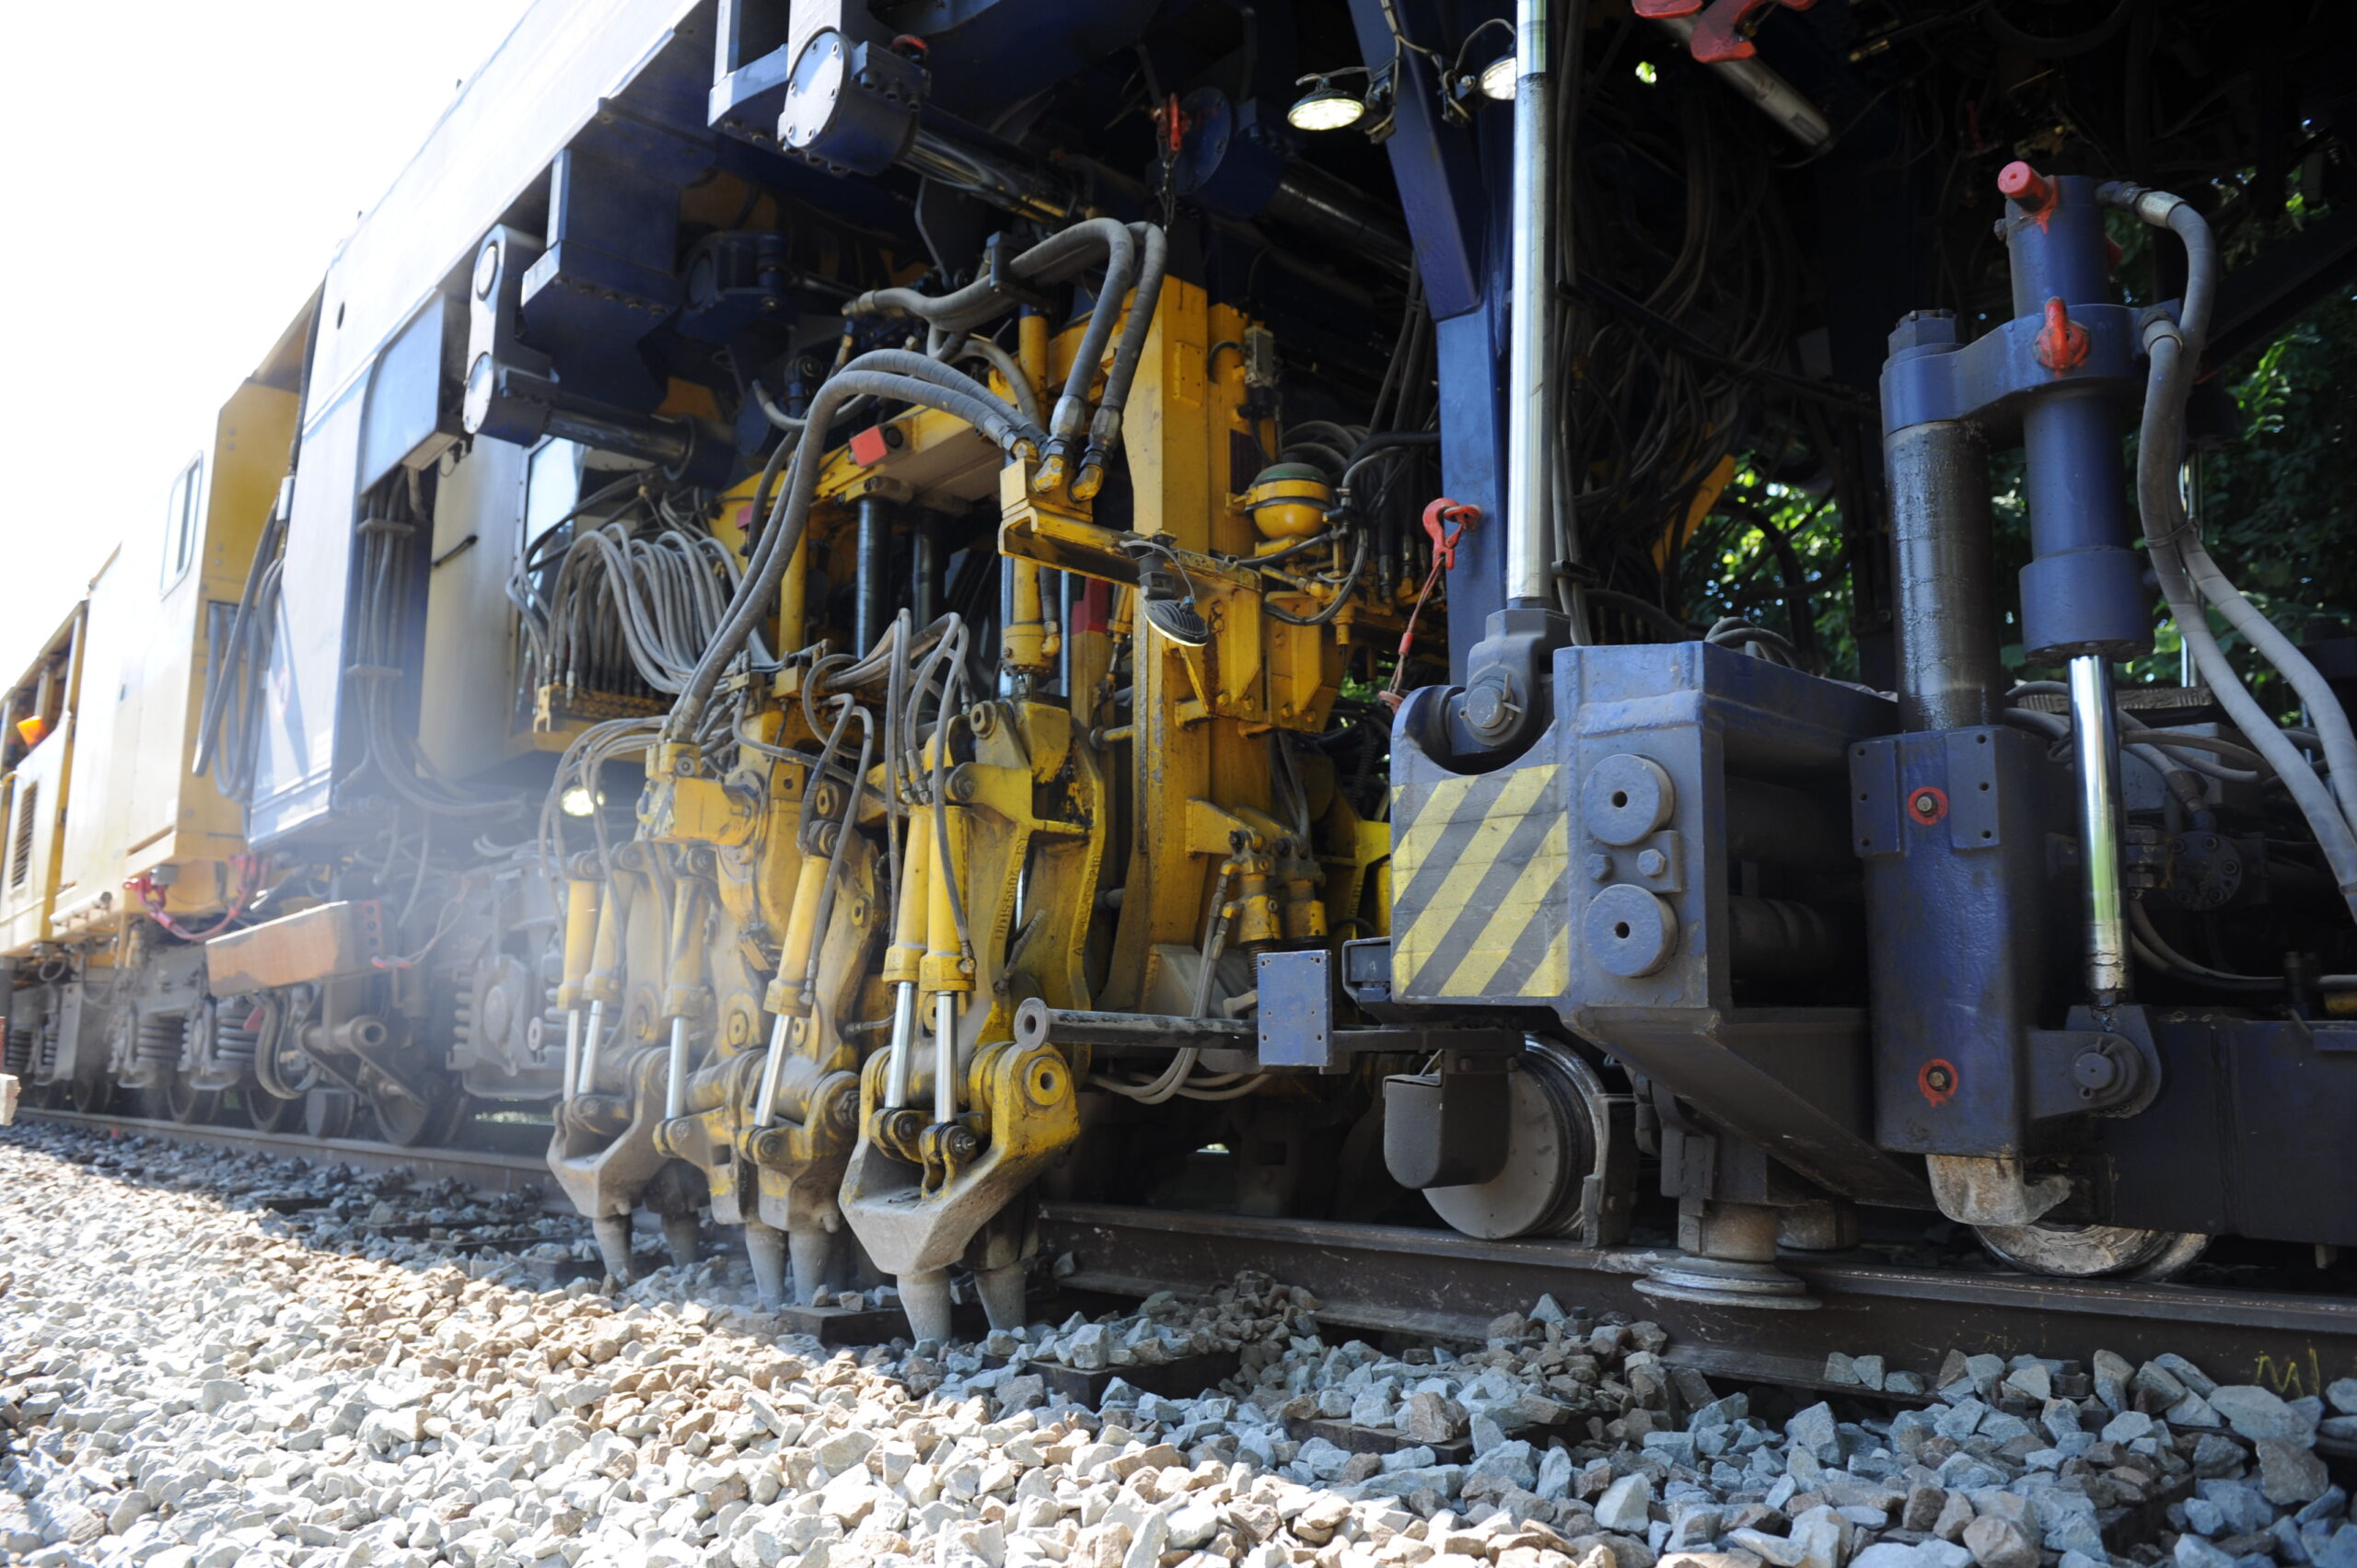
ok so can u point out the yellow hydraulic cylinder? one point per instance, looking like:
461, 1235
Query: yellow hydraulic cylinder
581, 901
904, 960
944, 968
603, 983
1030, 643
784, 994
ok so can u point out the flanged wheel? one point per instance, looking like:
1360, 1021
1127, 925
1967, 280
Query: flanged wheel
90, 1094
2092, 1252
327, 1113
187, 1104
265, 1112
1556, 1107
407, 1122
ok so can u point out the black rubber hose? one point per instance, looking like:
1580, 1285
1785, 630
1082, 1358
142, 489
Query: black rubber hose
1105, 431
782, 533
1120, 265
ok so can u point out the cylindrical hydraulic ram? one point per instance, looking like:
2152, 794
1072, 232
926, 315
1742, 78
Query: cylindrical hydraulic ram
944, 1056
765, 1100
675, 1081
1530, 415
2096, 741
581, 904
571, 1051
924, 574
904, 1028
587, 1083
1775, 96
1038, 1024
801, 930
1948, 667
874, 548
905, 958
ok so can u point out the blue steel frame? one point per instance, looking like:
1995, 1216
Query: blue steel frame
1457, 189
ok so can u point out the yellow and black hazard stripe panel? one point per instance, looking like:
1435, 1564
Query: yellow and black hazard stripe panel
1477, 865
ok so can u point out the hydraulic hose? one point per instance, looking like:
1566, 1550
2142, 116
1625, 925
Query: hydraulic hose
1121, 261
2163, 210
781, 535
2164, 520
1332, 607
1105, 430
1004, 362
2186, 572
924, 367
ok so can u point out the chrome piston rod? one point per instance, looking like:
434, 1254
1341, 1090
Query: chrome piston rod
904, 1028
1530, 421
2096, 741
674, 1084
944, 1056
586, 1084
765, 1098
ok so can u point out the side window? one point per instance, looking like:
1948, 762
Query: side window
179, 524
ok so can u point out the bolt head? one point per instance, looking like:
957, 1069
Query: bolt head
1652, 863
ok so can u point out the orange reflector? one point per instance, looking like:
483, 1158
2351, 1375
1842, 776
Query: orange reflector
32, 730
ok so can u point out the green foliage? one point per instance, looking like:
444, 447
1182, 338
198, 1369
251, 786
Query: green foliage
2275, 493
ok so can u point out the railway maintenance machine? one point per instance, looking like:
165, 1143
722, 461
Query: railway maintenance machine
1567, 620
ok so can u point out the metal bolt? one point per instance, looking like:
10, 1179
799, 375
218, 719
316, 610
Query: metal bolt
1652, 863
1599, 866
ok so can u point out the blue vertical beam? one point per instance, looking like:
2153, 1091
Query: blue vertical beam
1455, 192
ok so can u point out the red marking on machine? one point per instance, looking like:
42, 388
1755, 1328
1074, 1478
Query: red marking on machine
2019, 182
1174, 123
868, 447
1937, 1080
2062, 343
1928, 805
1438, 516
1725, 30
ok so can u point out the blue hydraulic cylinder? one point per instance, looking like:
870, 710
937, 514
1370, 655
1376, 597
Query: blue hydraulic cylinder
2084, 590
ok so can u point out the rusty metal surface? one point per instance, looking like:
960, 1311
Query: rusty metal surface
480, 1169
315, 944
1386, 1278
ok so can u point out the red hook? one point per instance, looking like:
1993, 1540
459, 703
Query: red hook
1445, 511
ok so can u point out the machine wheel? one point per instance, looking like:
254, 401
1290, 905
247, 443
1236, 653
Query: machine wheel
265, 1112
1554, 1103
187, 1104
2092, 1251
407, 1122
91, 1095
327, 1113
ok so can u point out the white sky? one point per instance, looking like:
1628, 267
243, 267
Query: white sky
175, 178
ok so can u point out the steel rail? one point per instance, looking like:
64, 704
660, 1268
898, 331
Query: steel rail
486, 1169
1393, 1279
1436, 1284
